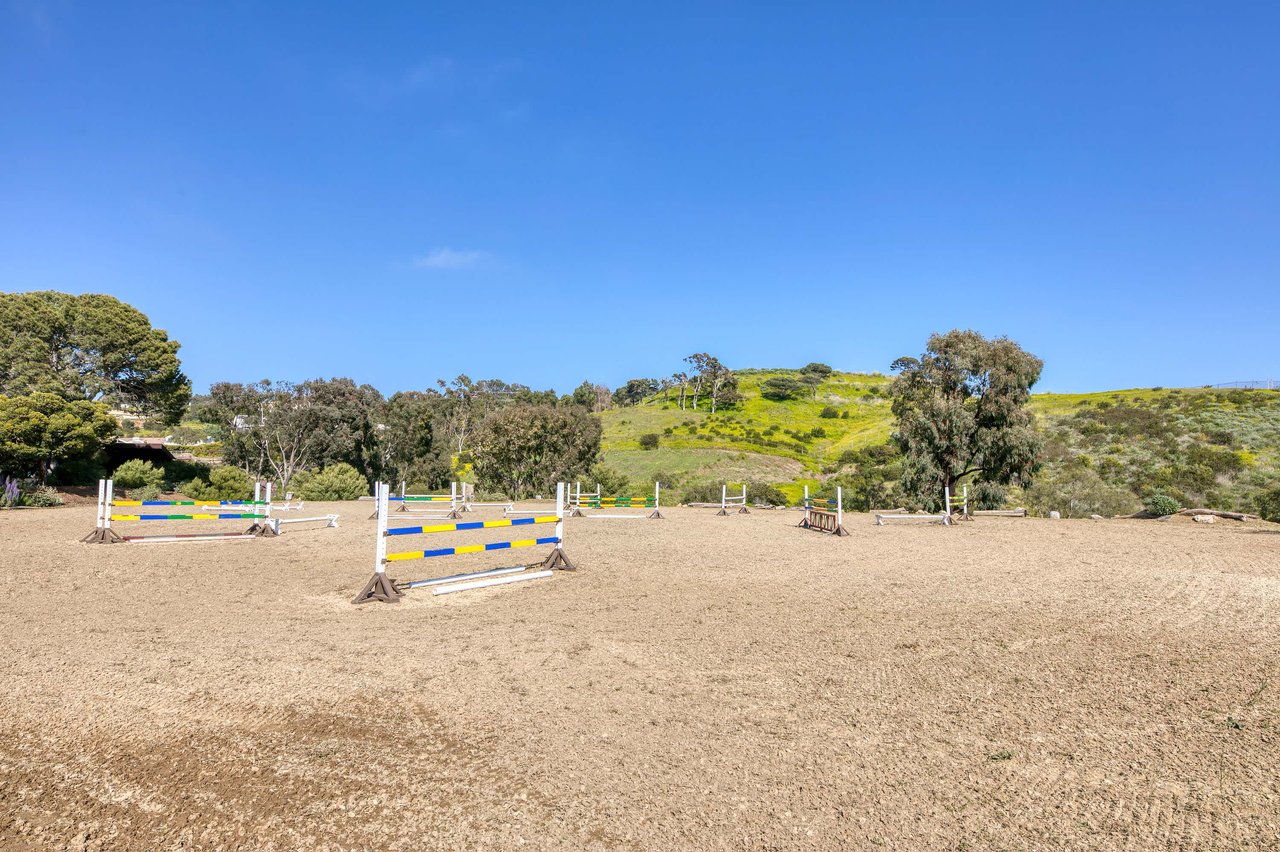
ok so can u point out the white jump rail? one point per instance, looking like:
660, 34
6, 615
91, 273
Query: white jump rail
885, 516
383, 588
999, 513
330, 521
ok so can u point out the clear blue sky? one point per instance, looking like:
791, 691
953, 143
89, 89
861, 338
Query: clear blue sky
548, 192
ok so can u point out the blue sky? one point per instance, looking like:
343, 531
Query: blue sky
550, 192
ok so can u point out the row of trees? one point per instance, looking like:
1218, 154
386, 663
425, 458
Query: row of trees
706, 381
961, 408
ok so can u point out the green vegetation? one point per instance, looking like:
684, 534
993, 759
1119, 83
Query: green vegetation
338, 481
1103, 452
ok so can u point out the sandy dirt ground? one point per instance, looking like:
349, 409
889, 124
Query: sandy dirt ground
701, 682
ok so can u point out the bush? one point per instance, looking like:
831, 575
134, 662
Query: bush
611, 482
649, 441
830, 412
701, 492
1268, 504
765, 492
817, 432
225, 483
1161, 505
1078, 493
338, 481
146, 492
41, 497
667, 480
136, 473
178, 471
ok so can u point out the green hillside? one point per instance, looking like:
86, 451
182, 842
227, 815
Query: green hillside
1203, 445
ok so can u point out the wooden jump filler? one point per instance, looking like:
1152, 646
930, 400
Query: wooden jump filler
824, 514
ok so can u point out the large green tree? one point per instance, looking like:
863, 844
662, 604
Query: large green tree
281, 428
962, 412
42, 429
416, 448
91, 347
522, 449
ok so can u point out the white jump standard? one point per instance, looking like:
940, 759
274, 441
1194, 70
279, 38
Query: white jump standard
960, 501
727, 502
383, 588
826, 515
104, 534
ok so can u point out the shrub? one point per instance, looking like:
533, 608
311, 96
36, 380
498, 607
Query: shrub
611, 482
817, 368
1268, 504
1161, 505
136, 473
1079, 492
764, 492
649, 441
830, 412
146, 492
41, 497
10, 495
338, 481
817, 432
666, 479
701, 492
184, 471
224, 483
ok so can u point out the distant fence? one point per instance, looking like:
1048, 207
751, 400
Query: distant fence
1265, 384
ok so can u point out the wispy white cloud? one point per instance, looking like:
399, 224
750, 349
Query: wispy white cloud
433, 75
447, 258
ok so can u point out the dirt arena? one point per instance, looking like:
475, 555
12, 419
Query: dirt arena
700, 682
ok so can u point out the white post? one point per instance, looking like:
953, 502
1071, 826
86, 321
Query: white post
966, 502
402, 485
724, 497
560, 516
946, 500
106, 511
268, 490
657, 493
744, 495
380, 490
102, 496
839, 507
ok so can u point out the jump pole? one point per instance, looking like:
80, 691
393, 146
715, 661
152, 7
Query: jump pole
382, 588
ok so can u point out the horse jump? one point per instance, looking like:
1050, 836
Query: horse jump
826, 515
595, 501
104, 534
383, 588
427, 506
956, 501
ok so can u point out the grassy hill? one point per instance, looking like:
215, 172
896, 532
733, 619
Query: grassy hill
1202, 445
